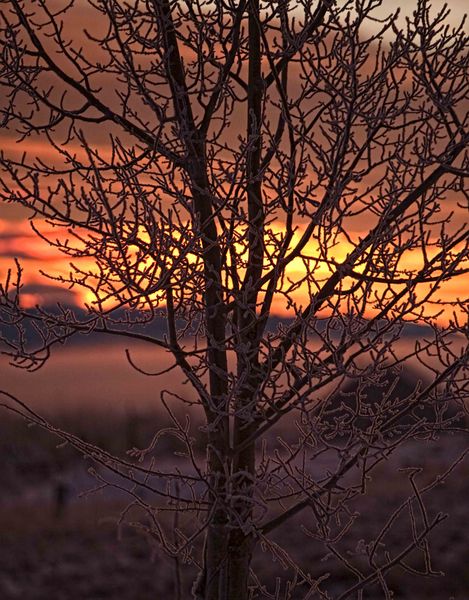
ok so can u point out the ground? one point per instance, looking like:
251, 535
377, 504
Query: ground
56, 544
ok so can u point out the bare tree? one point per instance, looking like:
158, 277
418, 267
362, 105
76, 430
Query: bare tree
219, 163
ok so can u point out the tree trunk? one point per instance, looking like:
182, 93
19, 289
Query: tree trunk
241, 541
229, 540
229, 544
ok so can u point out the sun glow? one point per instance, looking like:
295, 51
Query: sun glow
45, 271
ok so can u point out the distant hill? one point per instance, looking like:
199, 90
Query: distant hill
155, 327
389, 400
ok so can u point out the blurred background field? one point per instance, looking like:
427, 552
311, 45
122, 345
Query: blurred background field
60, 540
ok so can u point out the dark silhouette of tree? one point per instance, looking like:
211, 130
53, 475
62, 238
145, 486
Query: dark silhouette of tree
216, 164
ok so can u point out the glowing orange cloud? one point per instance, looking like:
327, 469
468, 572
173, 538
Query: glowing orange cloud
19, 241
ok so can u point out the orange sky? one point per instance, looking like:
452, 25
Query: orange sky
17, 240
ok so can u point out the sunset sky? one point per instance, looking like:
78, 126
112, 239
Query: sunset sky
19, 241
